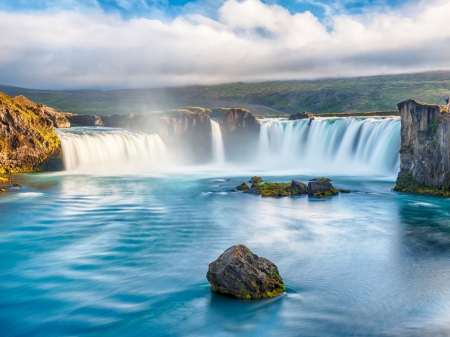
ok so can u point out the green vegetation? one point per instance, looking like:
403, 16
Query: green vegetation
361, 94
407, 183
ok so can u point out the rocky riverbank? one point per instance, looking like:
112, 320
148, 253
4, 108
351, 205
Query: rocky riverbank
425, 149
27, 138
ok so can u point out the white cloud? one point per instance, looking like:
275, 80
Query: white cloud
250, 41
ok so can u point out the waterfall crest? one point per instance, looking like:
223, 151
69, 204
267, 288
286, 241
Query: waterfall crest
325, 146
87, 147
335, 145
217, 143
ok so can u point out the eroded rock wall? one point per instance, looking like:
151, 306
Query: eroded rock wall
27, 138
425, 148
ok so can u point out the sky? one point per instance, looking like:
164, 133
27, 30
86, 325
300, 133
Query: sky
106, 44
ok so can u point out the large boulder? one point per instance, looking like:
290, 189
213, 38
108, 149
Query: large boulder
298, 188
240, 273
321, 188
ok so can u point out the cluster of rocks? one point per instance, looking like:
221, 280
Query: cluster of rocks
240, 273
6, 183
317, 187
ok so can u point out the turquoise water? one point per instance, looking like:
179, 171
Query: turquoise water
84, 255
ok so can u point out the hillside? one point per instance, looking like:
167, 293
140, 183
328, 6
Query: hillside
376, 93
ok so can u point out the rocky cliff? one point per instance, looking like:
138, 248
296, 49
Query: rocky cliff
188, 132
27, 138
425, 148
240, 131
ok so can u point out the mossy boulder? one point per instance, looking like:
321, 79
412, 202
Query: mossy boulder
298, 188
242, 187
321, 188
255, 180
240, 273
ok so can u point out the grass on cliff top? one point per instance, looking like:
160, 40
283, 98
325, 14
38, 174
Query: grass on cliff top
361, 94
24, 107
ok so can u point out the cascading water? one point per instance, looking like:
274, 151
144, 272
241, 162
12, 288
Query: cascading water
328, 146
331, 145
217, 143
87, 147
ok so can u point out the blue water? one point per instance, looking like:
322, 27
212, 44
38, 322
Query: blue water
85, 255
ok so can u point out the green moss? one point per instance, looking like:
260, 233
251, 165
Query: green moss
407, 183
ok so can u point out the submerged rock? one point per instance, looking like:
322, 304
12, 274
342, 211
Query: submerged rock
321, 188
344, 191
242, 187
240, 273
255, 180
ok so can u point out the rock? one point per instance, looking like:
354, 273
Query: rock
242, 187
255, 180
301, 115
321, 189
298, 188
58, 118
322, 179
424, 150
255, 189
240, 273
2, 189
27, 137
233, 190
86, 120
17, 185
344, 191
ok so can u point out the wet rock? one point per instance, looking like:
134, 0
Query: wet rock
2, 189
240, 273
17, 185
255, 180
344, 191
321, 188
298, 188
242, 187
255, 189
301, 115
233, 190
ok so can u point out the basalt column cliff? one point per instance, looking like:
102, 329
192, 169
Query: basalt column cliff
425, 148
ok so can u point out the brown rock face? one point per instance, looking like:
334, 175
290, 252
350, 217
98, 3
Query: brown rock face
425, 148
235, 119
27, 138
301, 115
188, 133
240, 273
86, 120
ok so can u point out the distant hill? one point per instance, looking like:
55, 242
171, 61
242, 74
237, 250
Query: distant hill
362, 94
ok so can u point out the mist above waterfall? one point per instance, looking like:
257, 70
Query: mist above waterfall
325, 146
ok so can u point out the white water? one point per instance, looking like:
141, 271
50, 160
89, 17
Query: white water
107, 148
326, 146
217, 143
337, 145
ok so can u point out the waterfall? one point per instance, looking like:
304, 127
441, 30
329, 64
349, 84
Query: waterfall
324, 146
88, 147
334, 145
217, 143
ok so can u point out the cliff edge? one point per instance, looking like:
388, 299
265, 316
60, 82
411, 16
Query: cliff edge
425, 149
28, 141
